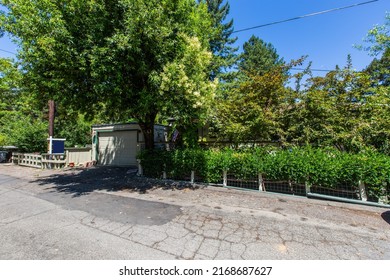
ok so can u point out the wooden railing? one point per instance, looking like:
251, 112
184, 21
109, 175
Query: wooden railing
40, 161
30, 160
53, 161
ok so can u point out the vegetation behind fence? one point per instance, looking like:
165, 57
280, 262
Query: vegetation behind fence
320, 168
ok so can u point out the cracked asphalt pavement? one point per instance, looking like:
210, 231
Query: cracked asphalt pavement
108, 213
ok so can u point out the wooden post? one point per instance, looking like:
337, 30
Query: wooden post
192, 177
362, 191
164, 172
383, 198
66, 158
261, 183
51, 117
307, 187
140, 171
224, 178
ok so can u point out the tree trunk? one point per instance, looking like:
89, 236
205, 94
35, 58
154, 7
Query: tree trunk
51, 117
148, 132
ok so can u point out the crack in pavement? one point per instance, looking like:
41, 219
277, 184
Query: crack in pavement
209, 230
209, 235
30, 216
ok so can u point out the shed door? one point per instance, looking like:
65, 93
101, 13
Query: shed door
117, 148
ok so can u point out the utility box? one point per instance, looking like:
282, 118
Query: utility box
56, 146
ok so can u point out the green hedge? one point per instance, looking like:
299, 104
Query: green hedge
320, 167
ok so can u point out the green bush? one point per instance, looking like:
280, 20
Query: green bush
154, 162
375, 173
324, 167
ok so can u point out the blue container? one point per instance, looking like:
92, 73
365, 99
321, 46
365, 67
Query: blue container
58, 146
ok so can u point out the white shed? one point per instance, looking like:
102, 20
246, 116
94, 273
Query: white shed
118, 144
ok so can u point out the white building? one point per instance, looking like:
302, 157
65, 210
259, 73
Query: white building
118, 144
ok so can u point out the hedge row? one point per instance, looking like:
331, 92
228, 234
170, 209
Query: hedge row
328, 168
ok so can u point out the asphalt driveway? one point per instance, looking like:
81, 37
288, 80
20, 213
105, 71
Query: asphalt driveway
109, 213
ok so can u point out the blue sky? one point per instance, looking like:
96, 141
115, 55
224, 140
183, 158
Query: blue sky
327, 39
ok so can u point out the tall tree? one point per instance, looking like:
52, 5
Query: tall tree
378, 99
379, 70
129, 58
20, 123
252, 109
221, 42
378, 40
342, 109
8, 92
258, 57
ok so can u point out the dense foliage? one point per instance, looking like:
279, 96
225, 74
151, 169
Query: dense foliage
221, 43
129, 58
20, 123
116, 60
327, 167
345, 108
258, 57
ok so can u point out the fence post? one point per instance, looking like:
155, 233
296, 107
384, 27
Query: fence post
140, 171
261, 183
66, 158
383, 198
307, 187
291, 187
192, 177
362, 191
41, 162
15, 158
224, 178
164, 172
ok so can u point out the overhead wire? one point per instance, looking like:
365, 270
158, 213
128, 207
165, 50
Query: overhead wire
305, 16
314, 70
286, 20
7, 51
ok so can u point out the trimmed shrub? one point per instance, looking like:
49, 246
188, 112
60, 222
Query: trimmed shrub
326, 167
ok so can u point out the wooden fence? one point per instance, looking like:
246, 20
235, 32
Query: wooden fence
39, 161
72, 157
78, 156
50, 161
30, 160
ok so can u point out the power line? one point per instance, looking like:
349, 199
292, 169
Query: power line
314, 70
305, 16
7, 51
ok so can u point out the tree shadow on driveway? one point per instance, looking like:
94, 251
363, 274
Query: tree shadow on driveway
386, 216
75, 189
79, 182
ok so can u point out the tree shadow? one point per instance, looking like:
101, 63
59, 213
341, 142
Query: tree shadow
386, 216
78, 182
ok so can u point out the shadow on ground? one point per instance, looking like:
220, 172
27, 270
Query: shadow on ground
83, 181
386, 216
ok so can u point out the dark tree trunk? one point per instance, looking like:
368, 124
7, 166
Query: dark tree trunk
147, 128
51, 117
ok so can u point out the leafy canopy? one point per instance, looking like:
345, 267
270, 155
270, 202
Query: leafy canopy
129, 58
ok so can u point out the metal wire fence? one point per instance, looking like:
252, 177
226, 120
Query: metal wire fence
344, 191
249, 184
285, 187
351, 192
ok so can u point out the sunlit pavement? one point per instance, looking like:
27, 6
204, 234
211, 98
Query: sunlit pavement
39, 220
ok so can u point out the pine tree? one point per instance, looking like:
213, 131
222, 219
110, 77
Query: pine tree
221, 43
258, 57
